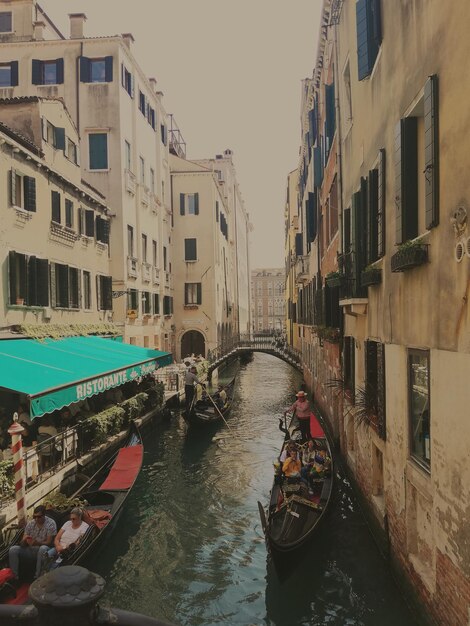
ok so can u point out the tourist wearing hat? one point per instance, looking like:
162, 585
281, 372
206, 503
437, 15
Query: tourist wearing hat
302, 410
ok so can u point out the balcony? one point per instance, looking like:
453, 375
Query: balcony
146, 272
409, 256
130, 182
131, 267
156, 275
302, 269
144, 196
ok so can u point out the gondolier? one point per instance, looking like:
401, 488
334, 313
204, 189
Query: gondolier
302, 411
189, 380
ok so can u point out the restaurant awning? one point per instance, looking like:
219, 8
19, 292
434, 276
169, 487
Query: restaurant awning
54, 373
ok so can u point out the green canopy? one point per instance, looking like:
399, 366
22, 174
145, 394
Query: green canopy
54, 373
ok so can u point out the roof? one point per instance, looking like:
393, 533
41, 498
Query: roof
54, 373
21, 139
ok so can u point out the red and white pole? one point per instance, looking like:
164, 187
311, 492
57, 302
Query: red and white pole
15, 431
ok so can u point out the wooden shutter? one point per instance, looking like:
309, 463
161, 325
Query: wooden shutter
372, 216
409, 177
381, 396
99, 228
36, 69
362, 33
59, 138
12, 276
14, 73
312, 216
98, 294
55, 201
105, 231
42, 282
85, 70
107, 290
431, 151
355, 239
108, 63
317, 167
13, 187
29, 188
31, 298
186, 293
63, 285
53, 285
89, 223
196, 204
190, 250
330, 112
298, 244
80, 221
199, 293
381, 195
59, 71
182, 196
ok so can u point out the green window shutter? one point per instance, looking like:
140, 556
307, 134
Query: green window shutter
196, 204
108, 62
105, 231
55, 202
98, 151
85, 70
12, 276
431, 151
80, 221
29, 187
358, 208
182, 196
190, 250
199, 293
107, 289
99, 228
186, 293
31, 299
409, 177
89, 223
36, 70
399, 236
330, 112
59, 138
381, 205
99, 293
14, 73
42, 282
13, 187
381, 396
59, 71
299, 244
53, 285
372, 216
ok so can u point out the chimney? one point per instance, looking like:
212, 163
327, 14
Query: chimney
77, 21
38, 34
128, 39
153, 84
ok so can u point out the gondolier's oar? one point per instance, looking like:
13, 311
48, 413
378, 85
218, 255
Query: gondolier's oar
218, 411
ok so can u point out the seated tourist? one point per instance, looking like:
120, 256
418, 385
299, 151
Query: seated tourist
37, 539
70, 533
221, 396
292, 465
290, 447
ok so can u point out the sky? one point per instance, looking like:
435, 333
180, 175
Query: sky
231, 73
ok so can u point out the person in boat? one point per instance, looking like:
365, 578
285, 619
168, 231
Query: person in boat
220, 397
292, 465
70, 534
37, 539
190, 380
290, 447
302, 410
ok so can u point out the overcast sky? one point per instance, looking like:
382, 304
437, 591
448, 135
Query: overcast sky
231, 73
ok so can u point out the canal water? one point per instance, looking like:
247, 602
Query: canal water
189, 546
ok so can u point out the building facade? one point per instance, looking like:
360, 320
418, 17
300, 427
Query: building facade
268, 300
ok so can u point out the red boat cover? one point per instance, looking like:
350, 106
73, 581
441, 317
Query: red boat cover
125, 469
316, 431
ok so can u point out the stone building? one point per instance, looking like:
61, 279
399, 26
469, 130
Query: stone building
268, 300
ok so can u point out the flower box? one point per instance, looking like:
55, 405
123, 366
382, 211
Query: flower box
335, 279
409, 256
371, 276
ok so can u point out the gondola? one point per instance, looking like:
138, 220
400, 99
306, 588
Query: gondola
105, 493
296, 507
204, 412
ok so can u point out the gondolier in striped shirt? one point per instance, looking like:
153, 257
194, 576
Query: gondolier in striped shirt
189, 380
302, 410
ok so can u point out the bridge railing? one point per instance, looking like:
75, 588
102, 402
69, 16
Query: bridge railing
272, 342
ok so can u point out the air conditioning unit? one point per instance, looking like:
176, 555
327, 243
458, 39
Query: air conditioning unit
47, 313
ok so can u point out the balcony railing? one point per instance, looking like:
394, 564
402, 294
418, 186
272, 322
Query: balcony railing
132, 267
302, 268
146, 272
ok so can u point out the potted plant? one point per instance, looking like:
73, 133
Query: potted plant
334, 279
371, 276
409, 254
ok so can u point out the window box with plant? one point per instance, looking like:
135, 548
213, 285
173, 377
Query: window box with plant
410, 254
371, 276
335, 279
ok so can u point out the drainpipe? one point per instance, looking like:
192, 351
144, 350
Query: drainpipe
77, 88
338, 146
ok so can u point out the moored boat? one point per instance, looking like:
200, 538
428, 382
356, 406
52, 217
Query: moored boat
209, 411
104, 495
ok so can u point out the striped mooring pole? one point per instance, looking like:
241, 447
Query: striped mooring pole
15, 431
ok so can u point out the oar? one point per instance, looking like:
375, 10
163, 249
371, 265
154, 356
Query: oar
218, 411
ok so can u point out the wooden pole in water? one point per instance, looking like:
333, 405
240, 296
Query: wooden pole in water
15, 431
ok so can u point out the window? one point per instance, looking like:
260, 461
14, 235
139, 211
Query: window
86, 222
142, 170
133, 300
22, 191
156, 304
98, 151
142, 103
192, 293
96, 70
164, 133
154, 253
144, 248
68, 213
74, 288
369, 35
9, 74
127, 156
152, 180
55, 204
189, 203
65, 282
167, 305
86, 290
72, 151
28, 280
190, 249
6, 25
165, 259
419, 406
146, 303
130, 241
127, 80
102, 230
47, 72
151, 117
104, 286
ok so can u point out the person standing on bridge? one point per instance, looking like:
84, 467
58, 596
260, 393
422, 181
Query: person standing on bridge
302, 410
190, 379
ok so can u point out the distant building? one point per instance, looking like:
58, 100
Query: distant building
268, 300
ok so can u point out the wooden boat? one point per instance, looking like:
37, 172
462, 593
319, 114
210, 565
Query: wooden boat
204, 412
105, 493
297, 507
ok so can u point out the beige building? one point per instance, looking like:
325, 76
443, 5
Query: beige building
54, 237
268, 300
123, 149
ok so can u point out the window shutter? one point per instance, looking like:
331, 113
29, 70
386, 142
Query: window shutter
12, 276
107, 285
42, 282
13, 187
186, 293
14, 73
80, 221
355, 239
312, 127
182, 196
59, 71
59, 138
317, 167
55, 200
298, 244
108, 63
311, 216
123, 76
196, 204
29, 184
36, 69
105, 231
431, 151
199, 293
98, 293
53, 286
132, 85
89, 223
381, 205
31, 298
330, 112
99, 228
62, 282
362, 40
372, 216
381, 397
85, 70
408, 163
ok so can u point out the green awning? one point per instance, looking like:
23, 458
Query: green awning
54, 373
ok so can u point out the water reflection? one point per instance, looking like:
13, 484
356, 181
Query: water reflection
189, 547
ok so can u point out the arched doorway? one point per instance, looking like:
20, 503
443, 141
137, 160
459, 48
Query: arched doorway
193, 342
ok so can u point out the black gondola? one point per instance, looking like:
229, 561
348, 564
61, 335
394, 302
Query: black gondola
209, 411
105, 493
297, 506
